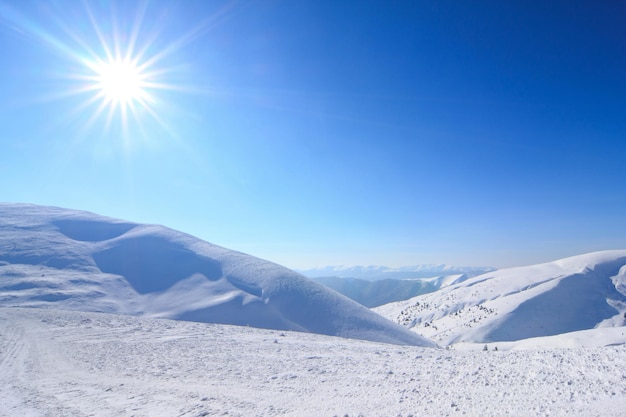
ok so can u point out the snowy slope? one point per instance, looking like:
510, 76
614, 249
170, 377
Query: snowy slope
569, 295
592, 338
59, 258
64, 363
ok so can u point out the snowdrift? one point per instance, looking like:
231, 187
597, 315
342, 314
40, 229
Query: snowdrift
60, 258
573, 294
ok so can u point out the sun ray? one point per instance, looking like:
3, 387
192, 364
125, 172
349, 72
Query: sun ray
116, 64
94, 24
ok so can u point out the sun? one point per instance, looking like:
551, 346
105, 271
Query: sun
120, 82
121, 63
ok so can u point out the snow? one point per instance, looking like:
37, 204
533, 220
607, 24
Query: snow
569, 295
70, 363
544, 340
59, 258
593, 338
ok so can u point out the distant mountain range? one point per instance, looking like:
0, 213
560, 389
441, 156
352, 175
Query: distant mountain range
65, 259
384, 291
376, 285
377, 272
581, 293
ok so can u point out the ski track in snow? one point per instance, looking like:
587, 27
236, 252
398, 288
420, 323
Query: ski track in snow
68, 363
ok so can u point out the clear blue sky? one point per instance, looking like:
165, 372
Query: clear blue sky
328, 132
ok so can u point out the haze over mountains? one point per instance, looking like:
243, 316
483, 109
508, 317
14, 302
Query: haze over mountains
60, 258
377, 272
384, 291
376, 285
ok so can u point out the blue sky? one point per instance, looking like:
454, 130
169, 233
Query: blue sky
326, 132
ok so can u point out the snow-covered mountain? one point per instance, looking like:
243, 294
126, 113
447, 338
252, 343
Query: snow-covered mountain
573, 294
65, 259
376, 272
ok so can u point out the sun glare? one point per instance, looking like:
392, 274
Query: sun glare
123, 85
123, 69
120, 61
120, 82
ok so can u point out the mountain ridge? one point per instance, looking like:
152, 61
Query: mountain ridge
572, 294
60, 258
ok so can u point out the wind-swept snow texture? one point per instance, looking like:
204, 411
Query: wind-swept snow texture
59, 258
74, 364
573, 294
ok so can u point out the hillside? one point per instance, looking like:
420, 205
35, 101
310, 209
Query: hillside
66, 259
573, 294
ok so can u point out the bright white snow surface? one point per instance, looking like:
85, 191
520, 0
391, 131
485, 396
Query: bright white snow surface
570, 295
59, 258
68, 363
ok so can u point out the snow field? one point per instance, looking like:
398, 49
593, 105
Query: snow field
67, 363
